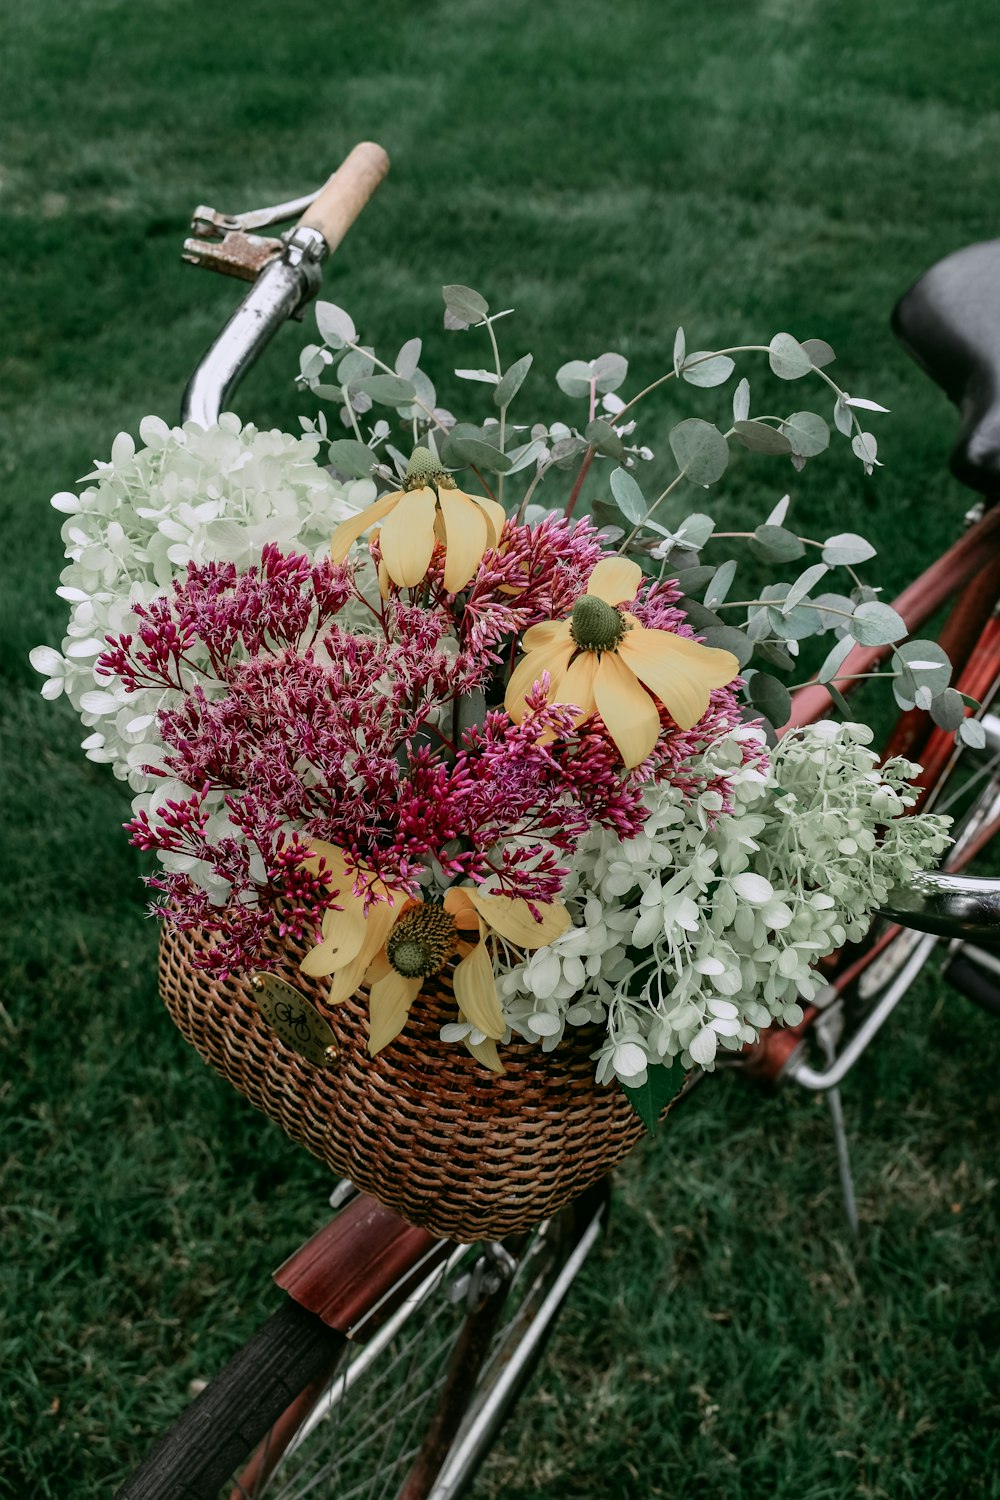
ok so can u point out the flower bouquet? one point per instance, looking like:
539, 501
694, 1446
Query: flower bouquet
472, 830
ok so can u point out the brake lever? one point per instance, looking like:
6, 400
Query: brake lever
224, 242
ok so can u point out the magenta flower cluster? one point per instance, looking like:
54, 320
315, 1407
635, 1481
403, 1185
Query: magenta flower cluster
299, 728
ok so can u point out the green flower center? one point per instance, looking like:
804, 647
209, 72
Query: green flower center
595, 625
421, 942
422, 470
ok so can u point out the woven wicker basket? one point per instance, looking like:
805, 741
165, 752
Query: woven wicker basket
423, 1127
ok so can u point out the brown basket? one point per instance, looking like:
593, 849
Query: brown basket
423, 1127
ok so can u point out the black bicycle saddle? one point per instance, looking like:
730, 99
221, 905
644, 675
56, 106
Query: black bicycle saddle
949, 321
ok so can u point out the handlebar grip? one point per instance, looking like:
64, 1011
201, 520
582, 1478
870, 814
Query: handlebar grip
346, 193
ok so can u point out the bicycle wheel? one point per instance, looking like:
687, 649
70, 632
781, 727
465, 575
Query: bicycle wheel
302, 1410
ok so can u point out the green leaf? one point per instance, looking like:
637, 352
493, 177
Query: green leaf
463, 305
926, 664
771, 697
574, 378
703, 619
773, 544
408, 359
865, 446
726, 638
876, 624
700, 450
528, 453
720, 585
459, 451
388, 390
692, 578
610, 370
707, 369
787, 358
972, 733
605, 439
846, 548
679, 347
819, 352
351, 457
628, 497
780, 511
800, 588
760, 438
741, 401
512, 381
485, 377
335, 325
836, 657
651, 1098
357, 364
695, 530
775, 655
948, 710
807, 433
839, 700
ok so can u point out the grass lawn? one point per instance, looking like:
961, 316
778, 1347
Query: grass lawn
610, 172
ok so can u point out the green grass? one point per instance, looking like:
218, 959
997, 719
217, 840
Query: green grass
610, 172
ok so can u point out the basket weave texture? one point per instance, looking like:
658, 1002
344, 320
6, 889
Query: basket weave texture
422, 1127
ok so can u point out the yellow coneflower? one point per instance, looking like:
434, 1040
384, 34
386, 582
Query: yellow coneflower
401, 943
429, 508
601, 660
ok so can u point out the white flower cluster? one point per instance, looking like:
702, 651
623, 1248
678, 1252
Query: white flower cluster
704, 929
189, 495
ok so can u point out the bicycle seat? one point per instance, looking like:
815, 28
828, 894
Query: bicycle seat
949, 321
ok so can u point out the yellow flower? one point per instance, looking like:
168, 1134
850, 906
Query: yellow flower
601, 660
401, 943
428, 509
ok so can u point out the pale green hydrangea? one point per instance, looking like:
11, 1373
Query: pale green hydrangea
189, 495
707, 927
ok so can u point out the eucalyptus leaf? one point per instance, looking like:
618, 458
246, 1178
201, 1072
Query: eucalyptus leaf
842, 419
972, 733
335, 325
722, 582
351, 457
651, 1098
775, 654
388, 390
512, 381
707, 369
459, 451
948, 710
863, 405
876, 624
834, 610
357, 364
408, 359
780, 511
695, 530
741, 401
836, 657
771, 697
819, 352
528, 453
787, 358
485, 377
865, 447
679, 348
574, 378
605, 439
628, 497
703, 619
760, 438
610, 370
846, 548
465, 305
726, 638
839, 700
807, 433
692, 578
774, 544
701, 451
926, 662
802, 585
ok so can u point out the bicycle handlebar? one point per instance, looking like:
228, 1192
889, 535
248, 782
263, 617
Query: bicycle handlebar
951, 906
337, 205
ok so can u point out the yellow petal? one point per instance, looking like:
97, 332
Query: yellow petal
486, 1053
389, 1004
496, 516
547, 633
348, 531
628, 711
343, 930
553, 659
467, 538
576, 686
458, 905
476, 992
680, 672
407, 538
615, 579
514, 920
347, 979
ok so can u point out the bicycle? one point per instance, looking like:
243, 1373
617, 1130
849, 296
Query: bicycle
451, 1333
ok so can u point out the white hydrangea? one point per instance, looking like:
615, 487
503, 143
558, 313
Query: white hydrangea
704, 929
189, 495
